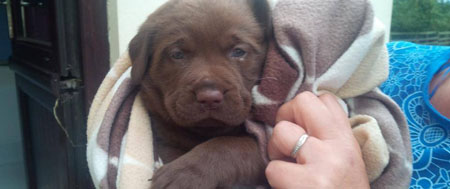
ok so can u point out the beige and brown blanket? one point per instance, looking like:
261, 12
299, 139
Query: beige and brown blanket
321, 46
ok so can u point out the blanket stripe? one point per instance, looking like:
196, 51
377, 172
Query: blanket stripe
118, 132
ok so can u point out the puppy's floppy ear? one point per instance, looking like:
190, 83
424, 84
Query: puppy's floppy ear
141, 47
140, 51
262, 11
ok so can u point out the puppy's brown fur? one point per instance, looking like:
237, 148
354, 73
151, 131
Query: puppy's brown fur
190, 50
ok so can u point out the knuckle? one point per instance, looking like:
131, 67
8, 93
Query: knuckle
269, 170
309, 94
327, 96
272, 170
304, 96
276, 132
281, 129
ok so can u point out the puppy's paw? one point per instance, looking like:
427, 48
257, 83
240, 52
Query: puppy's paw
182, 175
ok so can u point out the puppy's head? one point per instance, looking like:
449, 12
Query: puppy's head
197, 60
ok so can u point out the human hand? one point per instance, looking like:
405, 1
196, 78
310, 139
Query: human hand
329, 158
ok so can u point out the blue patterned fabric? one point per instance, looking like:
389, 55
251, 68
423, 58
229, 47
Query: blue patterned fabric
411, 69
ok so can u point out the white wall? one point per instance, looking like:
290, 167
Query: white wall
383, 11
125, 17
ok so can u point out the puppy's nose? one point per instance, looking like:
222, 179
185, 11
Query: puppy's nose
211, 98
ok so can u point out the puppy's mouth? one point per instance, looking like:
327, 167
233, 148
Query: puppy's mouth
210, 122
212, 127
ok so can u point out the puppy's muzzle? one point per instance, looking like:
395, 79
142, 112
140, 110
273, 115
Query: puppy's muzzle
208, 94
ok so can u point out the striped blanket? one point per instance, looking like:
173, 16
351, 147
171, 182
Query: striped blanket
322, 46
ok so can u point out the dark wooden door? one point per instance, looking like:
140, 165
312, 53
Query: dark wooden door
49, 56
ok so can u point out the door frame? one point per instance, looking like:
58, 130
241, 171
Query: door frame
94, 45
83, 48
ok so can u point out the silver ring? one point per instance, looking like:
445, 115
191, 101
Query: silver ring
299, 144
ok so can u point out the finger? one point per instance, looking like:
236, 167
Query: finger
310, 112
341, 118
283, 140
312, 151
289, 112
282, 174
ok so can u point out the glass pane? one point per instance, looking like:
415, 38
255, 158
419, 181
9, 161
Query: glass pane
421, 21
5, 43
35, 20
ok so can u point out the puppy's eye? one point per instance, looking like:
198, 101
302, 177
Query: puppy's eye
177, 54
238, 53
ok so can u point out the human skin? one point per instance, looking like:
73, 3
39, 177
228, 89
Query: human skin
441, 99
330, 157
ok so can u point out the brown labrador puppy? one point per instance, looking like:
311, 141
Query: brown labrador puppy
196, 62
